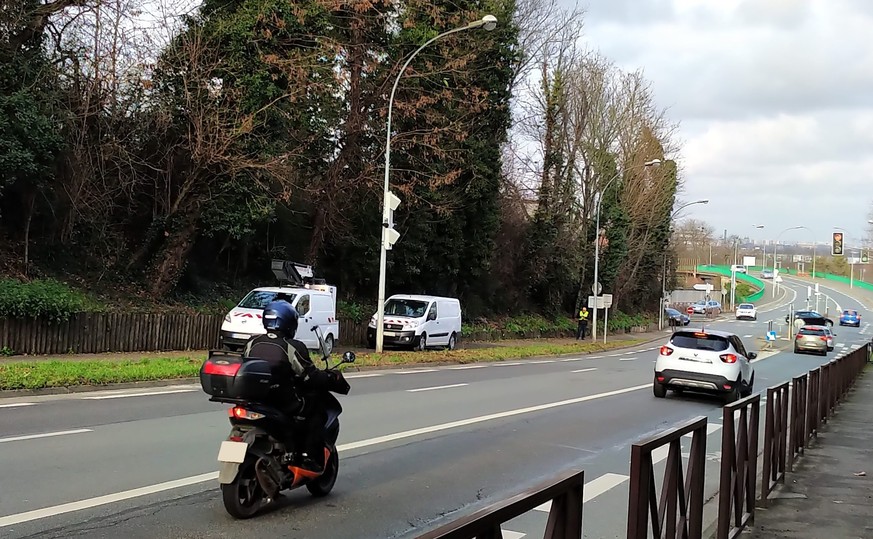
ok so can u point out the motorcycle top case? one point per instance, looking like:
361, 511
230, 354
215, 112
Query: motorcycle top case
234, 377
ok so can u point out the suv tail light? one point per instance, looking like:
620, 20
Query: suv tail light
799, 336
728, 358
666, 350
824, 339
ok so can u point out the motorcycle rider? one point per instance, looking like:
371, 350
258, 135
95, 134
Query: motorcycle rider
278, 346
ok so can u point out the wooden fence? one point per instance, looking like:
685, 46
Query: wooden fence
93, 333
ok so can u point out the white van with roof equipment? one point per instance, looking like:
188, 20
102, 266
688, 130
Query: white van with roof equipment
314, 300
419, 322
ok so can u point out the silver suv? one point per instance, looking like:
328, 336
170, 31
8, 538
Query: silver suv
711, 361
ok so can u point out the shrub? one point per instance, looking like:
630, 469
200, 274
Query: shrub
47, 299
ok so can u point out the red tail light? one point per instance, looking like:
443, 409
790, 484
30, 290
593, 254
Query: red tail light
229, 369
666, 350
824, 339
728, 358
799, 336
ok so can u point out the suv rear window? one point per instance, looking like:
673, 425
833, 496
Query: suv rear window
699, 341
746, 306
811, 331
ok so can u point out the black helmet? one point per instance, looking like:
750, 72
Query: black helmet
280, 317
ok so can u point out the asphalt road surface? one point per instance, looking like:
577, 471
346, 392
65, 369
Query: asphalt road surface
418, 447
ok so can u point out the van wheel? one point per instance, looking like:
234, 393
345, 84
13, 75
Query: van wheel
329, 343
453, 342
422, 343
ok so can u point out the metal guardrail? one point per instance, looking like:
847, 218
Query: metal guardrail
798, 433
775, 439
565, 516
739, 466
681, 491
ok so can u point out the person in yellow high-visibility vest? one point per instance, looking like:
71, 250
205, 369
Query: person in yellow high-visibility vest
583, 324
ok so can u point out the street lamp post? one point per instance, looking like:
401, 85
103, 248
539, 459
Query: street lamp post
595, 289
776, 246
488, 22
664, 278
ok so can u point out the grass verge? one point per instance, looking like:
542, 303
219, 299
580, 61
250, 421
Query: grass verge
59, 373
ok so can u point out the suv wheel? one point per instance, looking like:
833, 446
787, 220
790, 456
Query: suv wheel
659, 389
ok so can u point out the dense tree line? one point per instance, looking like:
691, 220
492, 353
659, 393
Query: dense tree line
171, 147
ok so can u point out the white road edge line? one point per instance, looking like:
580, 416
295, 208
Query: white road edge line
627, 359
434, 388
365, 375
43, 435
464, 367
510, 364
416, 371
144, 394
593, 488
541, 361
18, 518
17, 404
586, 370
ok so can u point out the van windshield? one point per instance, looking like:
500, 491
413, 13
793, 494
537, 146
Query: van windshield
406, 307
259, 299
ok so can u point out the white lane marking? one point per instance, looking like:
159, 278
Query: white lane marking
614, 355
465, 367
540, 362
416, 371
365, 375
509, 534
18, 518
661, 453
595, 357
434, 388
17, 404
747, 336
633, 352
43, 435
593, 488
144, 394
11, 520
511, 364
572, 359
628, 359
586, 370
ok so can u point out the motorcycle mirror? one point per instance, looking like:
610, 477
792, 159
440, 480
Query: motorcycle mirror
349, 357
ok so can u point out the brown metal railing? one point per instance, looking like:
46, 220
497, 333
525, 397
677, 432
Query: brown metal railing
824, 411
739, 466
798, 433
775, 439
565, 515
678, 512
813, 407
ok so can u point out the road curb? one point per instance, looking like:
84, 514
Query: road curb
11, 393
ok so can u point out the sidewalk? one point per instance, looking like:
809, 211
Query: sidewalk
830, 492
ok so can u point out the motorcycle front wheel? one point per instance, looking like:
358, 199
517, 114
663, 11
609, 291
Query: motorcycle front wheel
243, 497
324, 484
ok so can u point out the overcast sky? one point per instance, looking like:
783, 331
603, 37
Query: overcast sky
774, 100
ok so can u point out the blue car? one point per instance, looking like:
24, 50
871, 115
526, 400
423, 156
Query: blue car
850, 318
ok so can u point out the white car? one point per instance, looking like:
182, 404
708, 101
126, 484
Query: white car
710, 361
746, 310
739, 268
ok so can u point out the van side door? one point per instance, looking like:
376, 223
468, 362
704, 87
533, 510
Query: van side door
304, 327
436, 332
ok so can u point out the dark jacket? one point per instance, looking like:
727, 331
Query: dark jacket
293, 353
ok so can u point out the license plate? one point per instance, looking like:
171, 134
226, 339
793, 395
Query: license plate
696, 359
390, 334
232, 451
244, 336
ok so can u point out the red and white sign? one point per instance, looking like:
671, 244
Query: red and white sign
690, 310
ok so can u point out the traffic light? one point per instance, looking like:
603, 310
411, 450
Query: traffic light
837, 244
390, 237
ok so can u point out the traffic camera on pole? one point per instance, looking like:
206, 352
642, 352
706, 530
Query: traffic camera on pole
391, 236
837, 244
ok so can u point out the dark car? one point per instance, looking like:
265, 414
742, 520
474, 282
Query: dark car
810, 318
850, 318
676, 318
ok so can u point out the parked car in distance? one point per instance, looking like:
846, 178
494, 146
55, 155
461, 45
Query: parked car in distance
710, 361
811, 339
746, 310
810, 318
419, 322
739, 268
767, 274
850, 318
676, 318
703, 307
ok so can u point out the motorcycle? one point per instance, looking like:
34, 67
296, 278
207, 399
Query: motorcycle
255, 463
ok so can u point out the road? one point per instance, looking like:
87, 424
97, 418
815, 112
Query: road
418, 447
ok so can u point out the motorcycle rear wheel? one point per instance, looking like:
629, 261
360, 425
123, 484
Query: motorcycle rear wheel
243, 497
324, 484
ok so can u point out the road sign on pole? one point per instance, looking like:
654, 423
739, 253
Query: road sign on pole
690, 310
597, 288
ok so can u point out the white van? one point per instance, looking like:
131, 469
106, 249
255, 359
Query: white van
315, 303
419, 322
